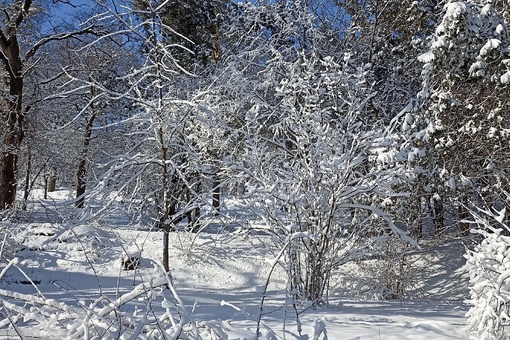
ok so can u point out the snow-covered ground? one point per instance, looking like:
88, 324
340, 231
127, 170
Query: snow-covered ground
220, 278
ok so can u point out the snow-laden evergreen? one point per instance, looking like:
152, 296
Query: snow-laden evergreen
489, 268
460, 121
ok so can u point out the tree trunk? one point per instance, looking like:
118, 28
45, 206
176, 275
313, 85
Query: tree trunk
419, 219
8, 182
28, 174
168, 206
52, 183
438, 216
45, 187
216, 194
417, 212
12, 115
11, 144
463, 217
82, 164
80, 183
11, 141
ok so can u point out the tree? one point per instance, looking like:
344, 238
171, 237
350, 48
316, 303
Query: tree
487, 265
463, 130
195, 34
158, 172
93, 104
12, 109
15, 66
194, 25
309, 165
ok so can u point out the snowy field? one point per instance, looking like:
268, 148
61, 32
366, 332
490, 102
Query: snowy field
63, 273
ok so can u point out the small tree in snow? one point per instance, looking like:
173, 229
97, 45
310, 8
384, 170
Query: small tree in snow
489, 268
310, 165
158, 170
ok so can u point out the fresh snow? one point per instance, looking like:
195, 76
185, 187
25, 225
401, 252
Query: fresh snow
426, 57
505, 78
490, 45
218, 276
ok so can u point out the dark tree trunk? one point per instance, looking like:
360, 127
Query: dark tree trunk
463, 217
12, 113
194, 220
80, 183
8, 182
190, 197
419, 221
439, 216
28, 175
216, 194
82, 164
45, 187
169, 207
52, 183
11, 141
417, 212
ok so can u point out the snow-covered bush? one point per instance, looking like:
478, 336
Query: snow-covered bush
489, 268
317, 177
309, 160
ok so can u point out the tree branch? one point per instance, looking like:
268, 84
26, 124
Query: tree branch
23, 10
56, 37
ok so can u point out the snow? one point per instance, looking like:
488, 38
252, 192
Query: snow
426, 57
490, 45
500, 30
218, 281
455, 9
505, 78
477, 69
489, 272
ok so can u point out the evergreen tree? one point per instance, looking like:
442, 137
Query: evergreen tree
462, 124
488, 266
193, 24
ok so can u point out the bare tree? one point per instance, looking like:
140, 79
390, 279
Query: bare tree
15, 60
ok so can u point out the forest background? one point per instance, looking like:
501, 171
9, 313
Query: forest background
352, 129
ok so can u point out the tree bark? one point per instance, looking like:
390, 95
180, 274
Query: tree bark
52, 183
13, 137
28, 175
82, 164
464, 216
438, 214
12, 115
80, 183
45, 187
216, 194
167, 205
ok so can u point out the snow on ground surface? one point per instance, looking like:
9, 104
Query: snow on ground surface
219, 276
